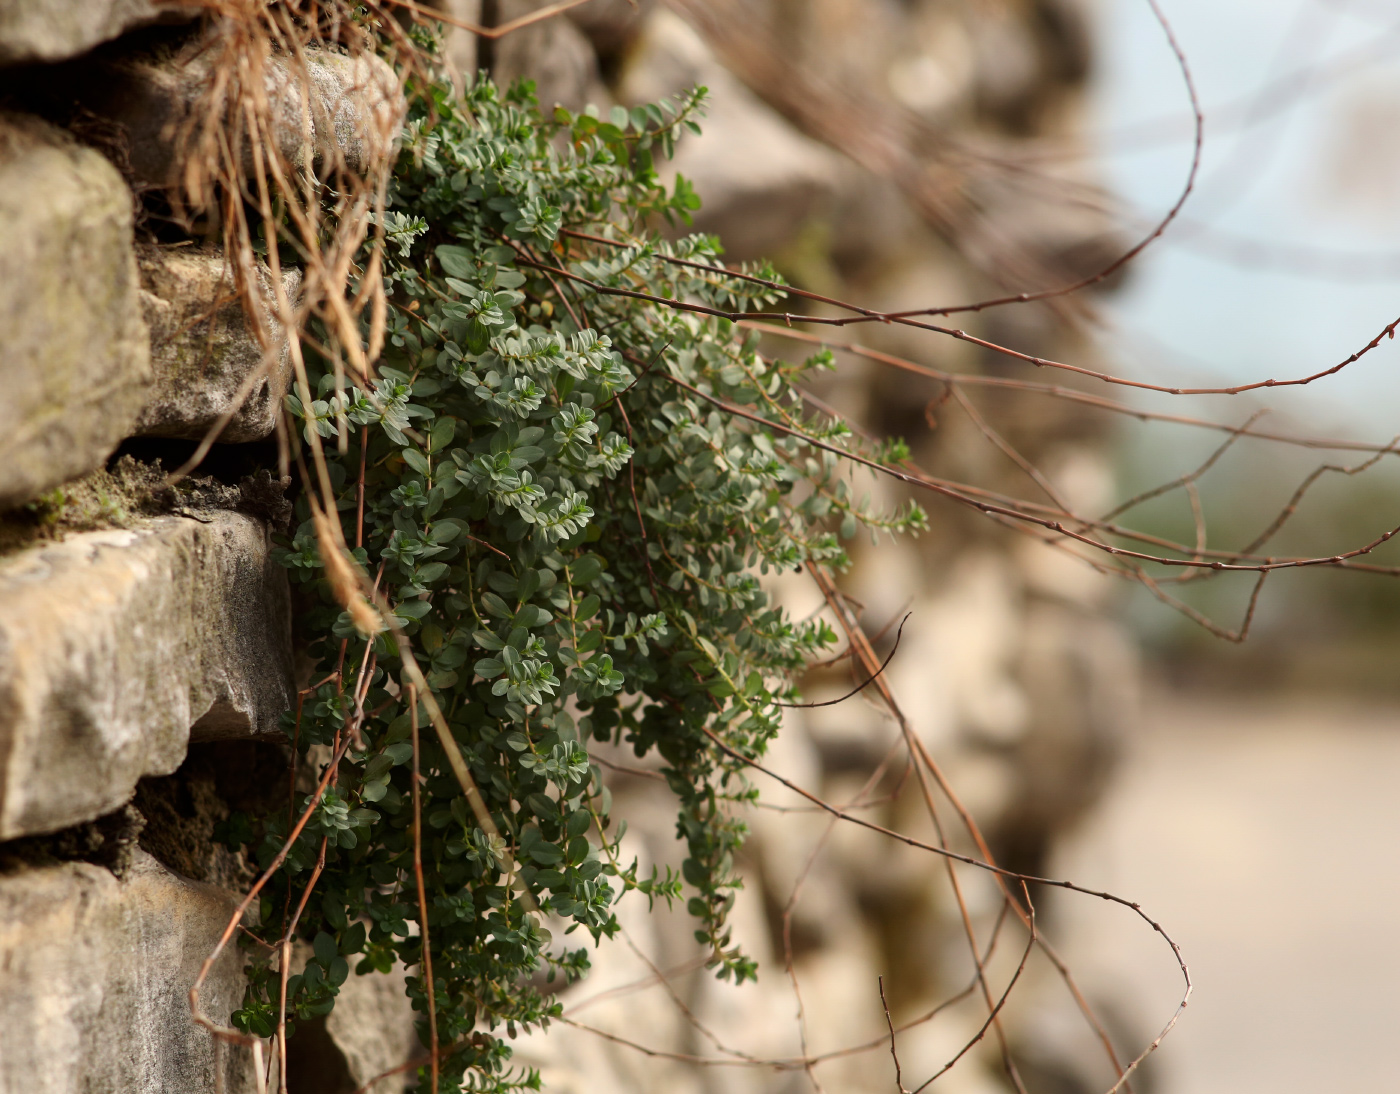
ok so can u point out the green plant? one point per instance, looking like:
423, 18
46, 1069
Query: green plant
571, 540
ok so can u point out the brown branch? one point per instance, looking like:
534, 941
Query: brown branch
894, 1052
963, 336
1056, 392
491, 33
1057, 526
427, 964
859, 687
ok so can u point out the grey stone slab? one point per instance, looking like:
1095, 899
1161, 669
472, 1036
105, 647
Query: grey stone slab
74, 358
116, 646
554, 53
54, 30
203, 346
760, 179
96, 975
372, 1025
332, 108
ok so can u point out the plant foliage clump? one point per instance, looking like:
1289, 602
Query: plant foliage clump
571, 542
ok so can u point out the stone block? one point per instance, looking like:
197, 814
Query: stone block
336, 108
761, 180
203, 346
372, 1026
611, 25
370, 1032
54, 30
554, 53
75, 366
97, 973
116, 646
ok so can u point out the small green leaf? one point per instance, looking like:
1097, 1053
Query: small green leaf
444, 429
496, 606
430, 571
585, 570
546, 853
413, 609
455, 260
325, 948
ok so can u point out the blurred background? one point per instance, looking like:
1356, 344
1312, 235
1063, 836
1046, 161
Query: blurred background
916, 153
1255, 800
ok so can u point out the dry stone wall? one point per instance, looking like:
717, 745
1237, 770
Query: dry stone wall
77, 358
136, 647
140, 627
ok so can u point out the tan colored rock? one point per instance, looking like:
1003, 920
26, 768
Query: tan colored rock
611, 25
53, 30
372, 1025
75, 368
554, 53
203, 347
96, 973
336, 108
760, 180
116, 646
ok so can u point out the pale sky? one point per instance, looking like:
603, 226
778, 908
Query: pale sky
1319, 180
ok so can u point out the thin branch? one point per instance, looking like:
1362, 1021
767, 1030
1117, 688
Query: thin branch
894, 1052
859, 687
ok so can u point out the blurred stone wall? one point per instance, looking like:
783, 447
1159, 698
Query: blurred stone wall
1012, 667
145, 653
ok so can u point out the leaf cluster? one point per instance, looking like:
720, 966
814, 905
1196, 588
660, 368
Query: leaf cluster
573, 545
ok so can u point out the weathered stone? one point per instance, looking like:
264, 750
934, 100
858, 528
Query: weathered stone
54, 30
372, 1025
203, 348
334, 109
611, 25
75, 369
554, 53
116, 646
97, 973
761, 180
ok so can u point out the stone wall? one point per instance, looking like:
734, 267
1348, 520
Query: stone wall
145, 649
145, 638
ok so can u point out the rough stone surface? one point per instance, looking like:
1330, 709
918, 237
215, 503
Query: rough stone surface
203, 348
75, 369
760, 180
554, 53
113, 645
53, 30
97, 972
611, 25
372, 1025
338, 109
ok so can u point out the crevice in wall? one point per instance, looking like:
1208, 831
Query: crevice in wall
486, 47
107, 841
315, 1063
197, 818
226, 463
